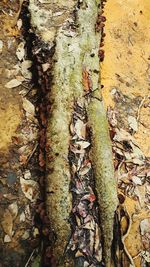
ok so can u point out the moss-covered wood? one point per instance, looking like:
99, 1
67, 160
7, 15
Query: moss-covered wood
76, 51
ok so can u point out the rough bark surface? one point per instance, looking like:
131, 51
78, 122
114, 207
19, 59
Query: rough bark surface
76, 52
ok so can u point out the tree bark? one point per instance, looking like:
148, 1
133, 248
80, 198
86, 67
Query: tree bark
76, 75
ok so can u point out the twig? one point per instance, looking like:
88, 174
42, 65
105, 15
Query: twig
34, 149
123, 241
139, 109
28, 261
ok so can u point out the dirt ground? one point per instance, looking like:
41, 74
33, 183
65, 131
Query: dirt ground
19, 169
125, 75
126, 81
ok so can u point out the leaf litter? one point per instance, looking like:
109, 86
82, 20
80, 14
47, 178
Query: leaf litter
131, 170
85, 242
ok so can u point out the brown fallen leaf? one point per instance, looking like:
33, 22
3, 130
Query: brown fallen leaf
29, 188
23, 159
7, 222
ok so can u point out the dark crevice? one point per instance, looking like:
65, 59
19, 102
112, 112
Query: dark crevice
39, 53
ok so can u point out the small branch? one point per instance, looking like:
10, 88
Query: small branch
27, 263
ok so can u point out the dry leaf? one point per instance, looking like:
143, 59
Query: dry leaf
13, 83
20, 78
23, 159
80, 129
27, 212
122, 135
140, 192
45, 66
83, 144
22, 217
26, 64
76, 149
27, 174
7, 222
7, 239
78, 254
136, 180
145, 226
29, 188
85, 169
26, 235
19, 24
146, 256
13, 208
28, 107
20, 51
45, 1
133, 124
1, 46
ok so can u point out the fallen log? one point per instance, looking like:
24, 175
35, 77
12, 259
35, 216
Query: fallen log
71, 28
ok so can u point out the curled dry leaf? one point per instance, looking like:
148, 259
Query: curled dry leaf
13, 83
7, 222
29, 188
20, 51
